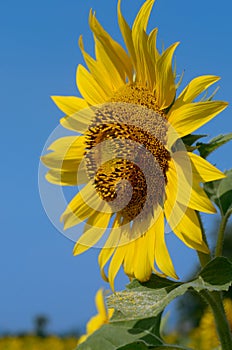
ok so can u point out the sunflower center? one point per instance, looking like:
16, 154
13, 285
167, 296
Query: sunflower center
125, 153
137, 94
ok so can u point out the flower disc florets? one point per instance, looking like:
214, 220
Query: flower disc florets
135, 152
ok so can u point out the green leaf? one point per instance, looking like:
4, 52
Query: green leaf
171, 347
142, 346
220, 192
134, 346
206, 148
117, 335
146, 300
136, 320
190, 139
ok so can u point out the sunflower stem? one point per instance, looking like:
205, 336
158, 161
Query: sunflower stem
203, 257
221, 232
214, 299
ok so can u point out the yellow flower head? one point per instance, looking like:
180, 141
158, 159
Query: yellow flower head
100, 319
128, 156
205, 336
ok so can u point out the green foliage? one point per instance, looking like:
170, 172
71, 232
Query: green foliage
145, 300
206, 148
220, 192
136, 320
117, 335
190, 139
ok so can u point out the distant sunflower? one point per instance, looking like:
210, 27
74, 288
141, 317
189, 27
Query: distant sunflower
103, 317
129, 99
205, 336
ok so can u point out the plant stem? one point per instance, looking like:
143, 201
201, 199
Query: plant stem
214, 299
222, 227
204, 258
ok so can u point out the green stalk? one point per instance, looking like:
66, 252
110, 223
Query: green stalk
214, 299
221, 232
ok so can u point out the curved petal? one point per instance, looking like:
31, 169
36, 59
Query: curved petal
89, 88
190, 193
203, 170
96, 70
127, 34
162, 256
94, 229
116, 263
139, 37
165, 83
109, 247
129, 260
192, 116
195, 88
188, 228
113, 49
100, 304
81, 206
69, 104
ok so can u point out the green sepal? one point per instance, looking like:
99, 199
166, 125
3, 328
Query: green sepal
206, 148
190, 139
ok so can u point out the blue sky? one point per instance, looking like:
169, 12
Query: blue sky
38, 58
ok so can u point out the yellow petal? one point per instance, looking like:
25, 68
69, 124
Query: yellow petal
96, 70
195, 88
110, 313
162, 256
109, 247
165, 82
203, 170
73, 144
67, 153
152, 39
107, 60
78, 121
116, 263
62, 178
100, 304
142, 266
191, 116
89, 88
57, 161
81, 206
129, 260
94, 229
183, 220
200, 201
142, 17
69, 104
180, 177
113, 49
127, 34
151, 244
139, 37
103, 258
185, 225
94, 324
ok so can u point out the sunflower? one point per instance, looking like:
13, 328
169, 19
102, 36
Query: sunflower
100, 319
134, 171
